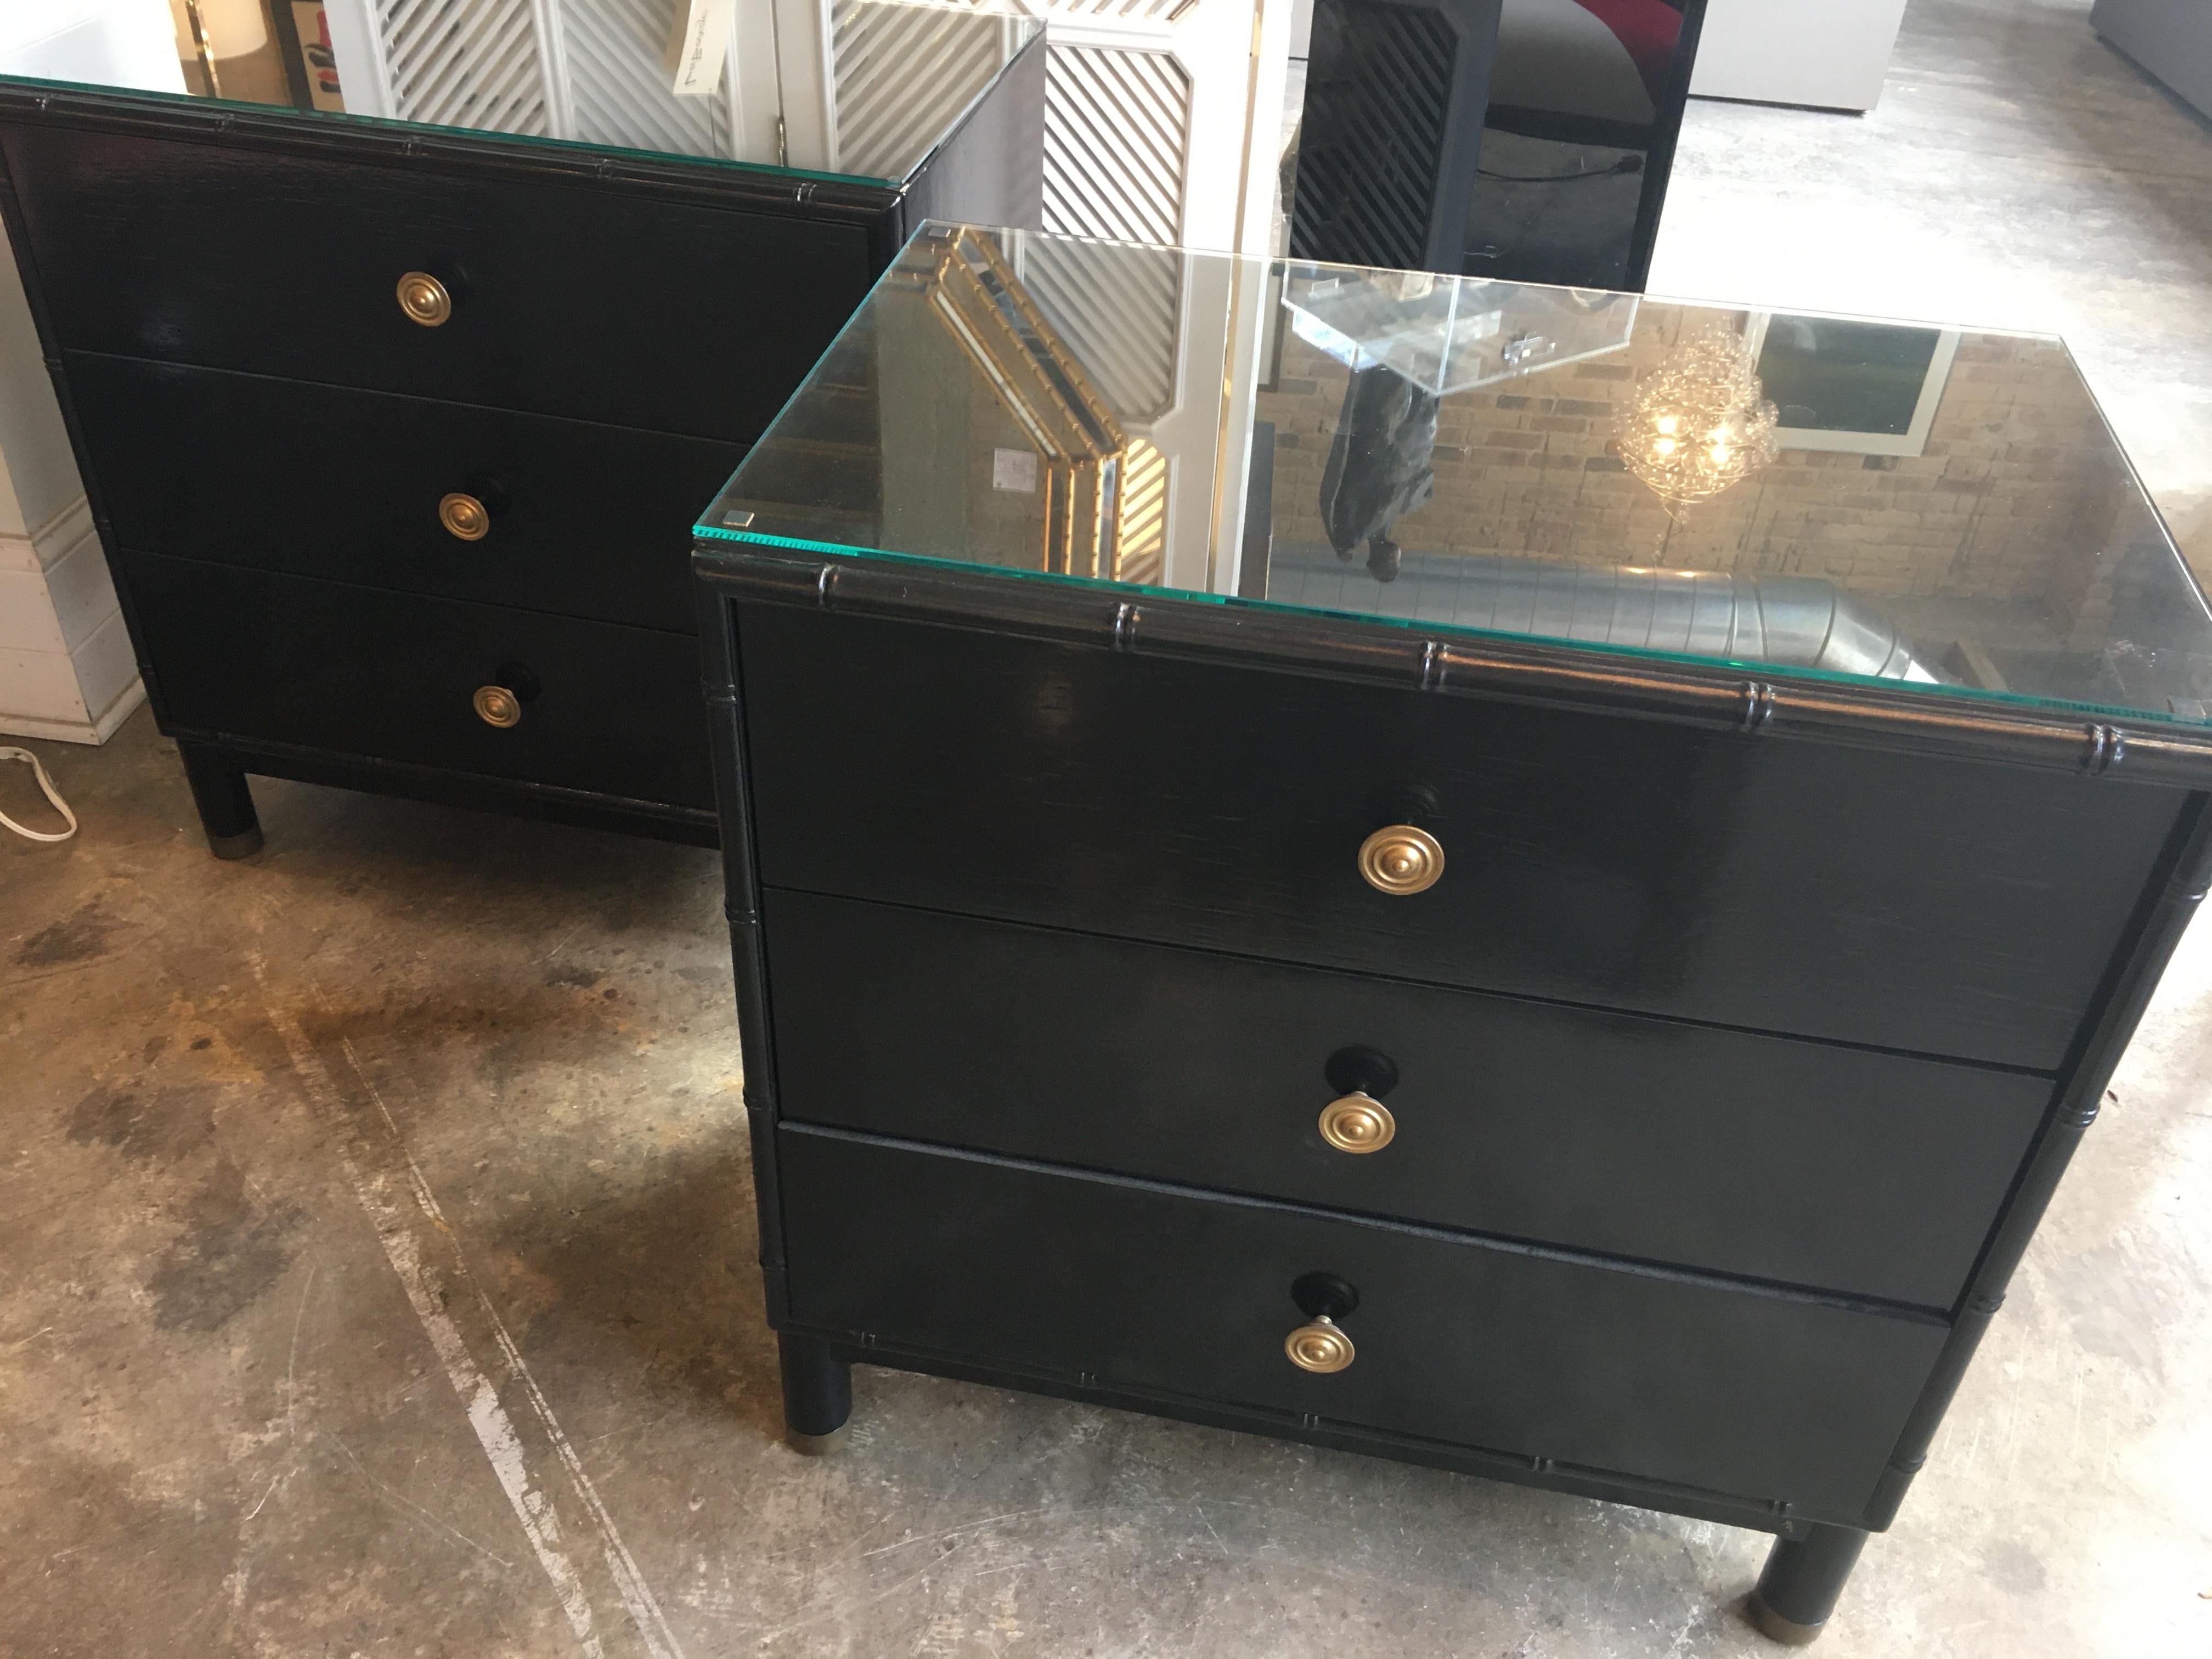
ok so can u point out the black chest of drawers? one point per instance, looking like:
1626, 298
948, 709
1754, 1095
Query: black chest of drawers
393, 435
1070, 1022
1461, 997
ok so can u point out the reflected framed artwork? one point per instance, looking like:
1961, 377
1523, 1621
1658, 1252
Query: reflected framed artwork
1841, 384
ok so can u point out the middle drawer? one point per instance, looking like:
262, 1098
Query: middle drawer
578, 518
1839, 1168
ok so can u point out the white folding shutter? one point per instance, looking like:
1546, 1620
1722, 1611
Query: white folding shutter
900, 75
459, 64
1161, 116
589, 70
614, 54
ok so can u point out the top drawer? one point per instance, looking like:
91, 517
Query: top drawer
582, 519
566, 300
1944, 908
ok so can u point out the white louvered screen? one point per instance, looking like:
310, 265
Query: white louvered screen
465, 63
1144, 533
613, 53
1109, 11
1161, 115
1116, 143
590, 70
902, 74
1121, 321
1160, 112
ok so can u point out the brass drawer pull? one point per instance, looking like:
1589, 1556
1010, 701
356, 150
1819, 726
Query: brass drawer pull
1319, 1346
1400, 858
497, 705
424, 299
464, 516
1358, 1122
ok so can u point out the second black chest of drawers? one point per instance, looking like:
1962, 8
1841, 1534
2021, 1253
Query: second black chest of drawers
393, 436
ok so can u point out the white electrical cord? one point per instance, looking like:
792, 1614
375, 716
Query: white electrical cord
52, 794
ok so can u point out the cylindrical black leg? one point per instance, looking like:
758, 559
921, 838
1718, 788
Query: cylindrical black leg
226, 804
817, 1393
1803, 1577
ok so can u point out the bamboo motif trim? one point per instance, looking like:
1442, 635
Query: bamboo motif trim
1532, 670
476, 153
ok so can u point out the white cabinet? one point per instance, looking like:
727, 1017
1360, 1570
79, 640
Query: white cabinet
1829, 54
2171, 41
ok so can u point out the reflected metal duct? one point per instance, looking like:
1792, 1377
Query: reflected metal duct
1802, 622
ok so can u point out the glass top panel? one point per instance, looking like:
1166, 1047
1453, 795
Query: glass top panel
1848, 498
700, 79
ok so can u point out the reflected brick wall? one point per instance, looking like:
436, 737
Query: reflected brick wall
2016, 496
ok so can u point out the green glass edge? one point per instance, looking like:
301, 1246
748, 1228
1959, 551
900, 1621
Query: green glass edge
715, 533
393, 124
1461, 630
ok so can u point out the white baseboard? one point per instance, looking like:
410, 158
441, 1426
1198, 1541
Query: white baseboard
59, 535
97, 731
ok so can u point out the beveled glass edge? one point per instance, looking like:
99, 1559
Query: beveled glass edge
321, 120
1947, 696
2134, 477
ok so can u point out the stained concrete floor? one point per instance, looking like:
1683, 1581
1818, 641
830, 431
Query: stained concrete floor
374, 1232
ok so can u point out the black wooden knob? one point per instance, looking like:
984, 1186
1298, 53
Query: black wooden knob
1357, 1069
486, 487
1324, 1295
518, 677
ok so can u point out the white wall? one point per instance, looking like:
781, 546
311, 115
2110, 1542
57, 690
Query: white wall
122, 43
66, 669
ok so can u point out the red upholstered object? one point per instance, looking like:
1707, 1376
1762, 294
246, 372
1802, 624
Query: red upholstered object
1648, 28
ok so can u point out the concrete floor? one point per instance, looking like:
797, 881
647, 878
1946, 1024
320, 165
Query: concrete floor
2018, 174
375, 1239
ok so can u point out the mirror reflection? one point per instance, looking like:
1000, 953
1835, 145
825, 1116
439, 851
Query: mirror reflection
1869, 499
863, 89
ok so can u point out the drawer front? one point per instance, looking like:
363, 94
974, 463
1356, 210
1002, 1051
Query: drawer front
613, 710
1755, 1395
1946, 908
566, 299
1841, 1169
586, 520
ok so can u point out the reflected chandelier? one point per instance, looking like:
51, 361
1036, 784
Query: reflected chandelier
1701, 422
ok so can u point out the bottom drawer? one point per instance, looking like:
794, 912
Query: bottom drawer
613, 709
1669, 1377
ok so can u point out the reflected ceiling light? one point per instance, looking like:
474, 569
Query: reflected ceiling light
1701, 420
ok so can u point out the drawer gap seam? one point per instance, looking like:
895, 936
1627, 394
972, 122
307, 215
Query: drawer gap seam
69, 351
1308, 966
1912, 1312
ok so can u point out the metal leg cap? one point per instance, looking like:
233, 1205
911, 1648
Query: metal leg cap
816, 1445
243, 845
1775, 1628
